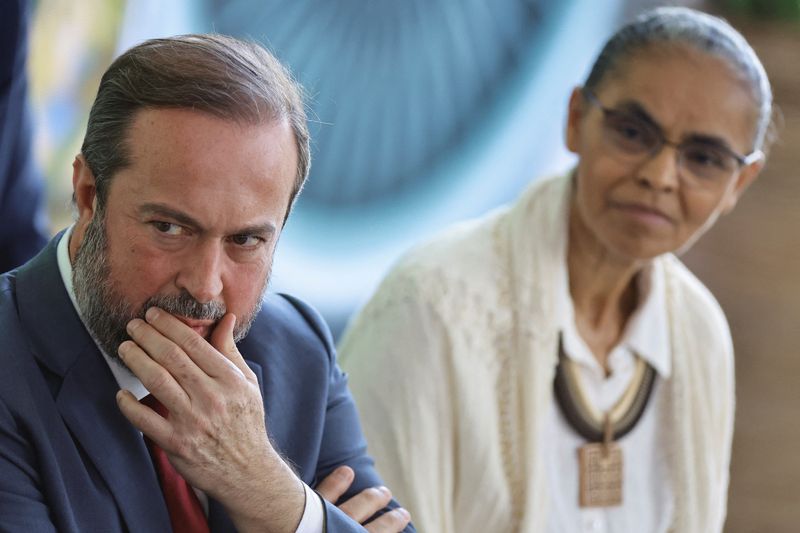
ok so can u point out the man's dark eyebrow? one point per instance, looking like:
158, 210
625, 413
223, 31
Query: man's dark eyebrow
168, 212
636, 109
263, 230
267, 229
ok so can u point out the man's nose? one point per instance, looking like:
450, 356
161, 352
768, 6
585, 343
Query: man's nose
660, 171
201, 274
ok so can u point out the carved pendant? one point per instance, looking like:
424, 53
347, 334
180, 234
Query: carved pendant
600, 466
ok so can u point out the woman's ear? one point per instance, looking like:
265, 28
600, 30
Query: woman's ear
746, 177
575, 112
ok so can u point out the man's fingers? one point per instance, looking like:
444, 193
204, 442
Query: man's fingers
332, 487
222, 336
166, 333
222, 340
143, 418
366, 503
158, 380
391, 522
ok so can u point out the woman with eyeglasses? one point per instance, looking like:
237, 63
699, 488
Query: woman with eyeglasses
553, 366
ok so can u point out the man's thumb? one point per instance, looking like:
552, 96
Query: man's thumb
222, 337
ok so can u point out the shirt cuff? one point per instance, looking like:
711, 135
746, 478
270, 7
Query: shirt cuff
313, 514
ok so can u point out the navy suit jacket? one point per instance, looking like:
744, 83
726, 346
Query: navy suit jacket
23, 221
71, 462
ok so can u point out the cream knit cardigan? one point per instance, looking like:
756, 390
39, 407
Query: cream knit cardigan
452, 365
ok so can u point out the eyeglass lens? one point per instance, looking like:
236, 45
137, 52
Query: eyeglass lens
636, 137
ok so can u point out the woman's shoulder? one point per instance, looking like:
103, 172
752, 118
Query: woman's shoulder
477, 249
466, 250
457, 277
695, 303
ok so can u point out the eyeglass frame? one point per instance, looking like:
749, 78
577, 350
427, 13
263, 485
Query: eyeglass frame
741, 160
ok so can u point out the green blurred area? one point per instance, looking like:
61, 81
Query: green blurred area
71, 44
768, 9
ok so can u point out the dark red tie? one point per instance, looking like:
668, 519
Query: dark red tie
185, 512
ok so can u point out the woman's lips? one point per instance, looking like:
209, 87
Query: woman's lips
644, 213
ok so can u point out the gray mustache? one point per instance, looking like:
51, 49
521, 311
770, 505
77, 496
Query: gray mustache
184, 304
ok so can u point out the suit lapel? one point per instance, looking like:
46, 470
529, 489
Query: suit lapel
86, 397
88, 406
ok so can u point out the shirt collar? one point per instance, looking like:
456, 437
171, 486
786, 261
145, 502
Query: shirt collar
125, 379
647, 331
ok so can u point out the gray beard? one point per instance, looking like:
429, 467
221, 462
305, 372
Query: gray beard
106, 313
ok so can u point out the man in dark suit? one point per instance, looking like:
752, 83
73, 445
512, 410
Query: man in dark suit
23, 221
147, 318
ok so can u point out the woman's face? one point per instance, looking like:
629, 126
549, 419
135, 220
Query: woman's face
639, 203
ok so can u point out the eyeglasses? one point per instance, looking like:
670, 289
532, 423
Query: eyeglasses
705, 163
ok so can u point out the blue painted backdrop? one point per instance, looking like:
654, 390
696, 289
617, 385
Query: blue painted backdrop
424, 112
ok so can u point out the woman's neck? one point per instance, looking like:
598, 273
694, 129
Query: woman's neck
603, 288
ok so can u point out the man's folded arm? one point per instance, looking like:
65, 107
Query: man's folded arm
343, 441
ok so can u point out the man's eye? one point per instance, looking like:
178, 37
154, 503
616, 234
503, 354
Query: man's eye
246, 241
167, 228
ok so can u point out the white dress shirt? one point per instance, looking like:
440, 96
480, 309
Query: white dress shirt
647, 502
313, 514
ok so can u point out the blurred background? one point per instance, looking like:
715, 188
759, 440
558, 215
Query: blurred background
425, 112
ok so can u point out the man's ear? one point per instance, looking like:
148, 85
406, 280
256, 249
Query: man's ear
575, 112
83, 188
84, 192
746, 177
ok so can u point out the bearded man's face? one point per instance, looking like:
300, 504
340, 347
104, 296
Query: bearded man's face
106, 311
190, 225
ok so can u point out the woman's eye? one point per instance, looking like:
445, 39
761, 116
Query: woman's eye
630, 131
635, 131
167, 228
630, 134
707, 157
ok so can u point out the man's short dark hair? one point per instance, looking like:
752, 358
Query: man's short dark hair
217, 74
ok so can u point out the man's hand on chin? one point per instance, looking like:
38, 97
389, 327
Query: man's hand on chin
215, 434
